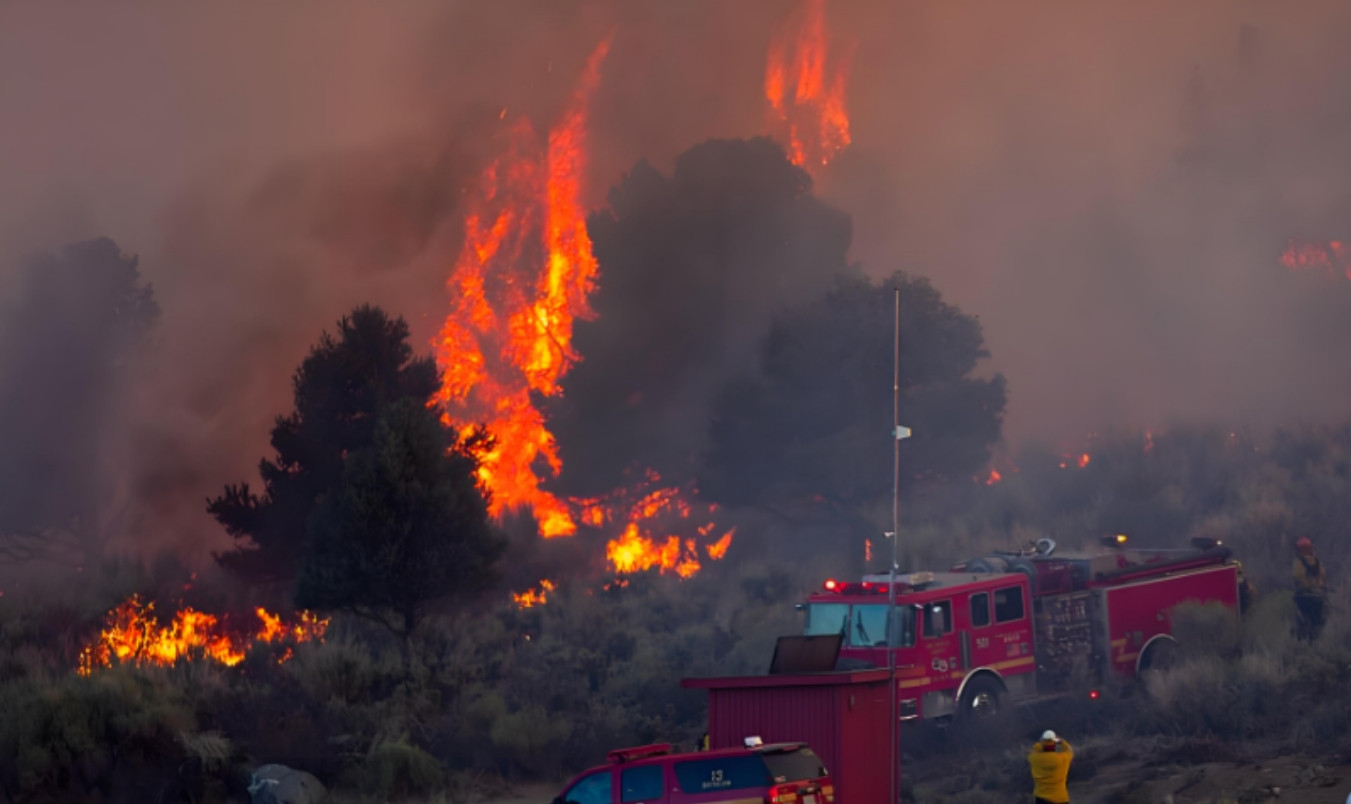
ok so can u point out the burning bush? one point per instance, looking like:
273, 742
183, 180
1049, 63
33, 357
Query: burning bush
133, 635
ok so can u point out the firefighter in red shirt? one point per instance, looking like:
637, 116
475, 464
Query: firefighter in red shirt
1050, 763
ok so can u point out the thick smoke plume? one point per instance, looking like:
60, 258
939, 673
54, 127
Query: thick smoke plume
1109, 187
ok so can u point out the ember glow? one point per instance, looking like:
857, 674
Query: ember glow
1331, 258
1081, 461
132, 634
993, 477
522, 279
534, 597
806, 88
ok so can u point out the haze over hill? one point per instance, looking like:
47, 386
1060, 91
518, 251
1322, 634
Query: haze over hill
1109, 189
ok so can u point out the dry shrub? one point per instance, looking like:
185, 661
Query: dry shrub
1269, 626
397, 771
1193, 691
344, 670
1206, 629
529, 739
114, 734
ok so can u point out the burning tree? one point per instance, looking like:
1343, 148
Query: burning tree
812, 424
341, 389
404, 527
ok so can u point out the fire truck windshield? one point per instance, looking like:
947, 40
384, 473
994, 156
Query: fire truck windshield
826, 619
863, 625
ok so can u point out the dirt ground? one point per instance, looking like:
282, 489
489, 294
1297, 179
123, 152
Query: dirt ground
1281, 779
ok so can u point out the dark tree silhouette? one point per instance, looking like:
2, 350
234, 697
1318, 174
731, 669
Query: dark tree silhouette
405, 527
340, 391
67, 343
814, 423
692, 267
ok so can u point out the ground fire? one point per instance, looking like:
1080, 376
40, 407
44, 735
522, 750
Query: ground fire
132, 634
522, 279
534, 596
806, 88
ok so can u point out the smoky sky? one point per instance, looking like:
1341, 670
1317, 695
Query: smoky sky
1107, 186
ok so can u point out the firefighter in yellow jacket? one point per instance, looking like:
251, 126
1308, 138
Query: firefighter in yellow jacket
1050, 763
1311, 587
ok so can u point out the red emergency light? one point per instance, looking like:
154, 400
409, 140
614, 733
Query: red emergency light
864, 588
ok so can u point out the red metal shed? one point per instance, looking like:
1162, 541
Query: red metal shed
842, 716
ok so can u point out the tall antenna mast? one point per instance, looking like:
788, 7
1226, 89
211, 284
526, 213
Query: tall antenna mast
898, 433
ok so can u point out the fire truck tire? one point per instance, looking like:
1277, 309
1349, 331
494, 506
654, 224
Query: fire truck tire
980, 700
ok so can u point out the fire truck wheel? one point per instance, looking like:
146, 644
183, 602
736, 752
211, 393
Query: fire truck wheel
980, 699
1159, 656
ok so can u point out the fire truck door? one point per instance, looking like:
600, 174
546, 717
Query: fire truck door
981, 646
942, 649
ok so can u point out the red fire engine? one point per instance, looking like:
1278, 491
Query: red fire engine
1014, 625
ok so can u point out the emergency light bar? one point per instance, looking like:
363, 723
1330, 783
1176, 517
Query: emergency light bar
879, 584
640, 752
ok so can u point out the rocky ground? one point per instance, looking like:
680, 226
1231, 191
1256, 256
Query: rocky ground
1280, 779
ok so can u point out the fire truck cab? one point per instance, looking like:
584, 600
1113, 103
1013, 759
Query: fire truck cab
1014, 625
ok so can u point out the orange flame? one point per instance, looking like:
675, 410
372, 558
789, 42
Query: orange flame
534, 597
132, 634
994, 477
638, 548
1332, 258
718, 549
805, 105
522, 279
509, 331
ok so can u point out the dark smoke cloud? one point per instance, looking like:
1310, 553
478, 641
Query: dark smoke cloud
696, 265
1108, 186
